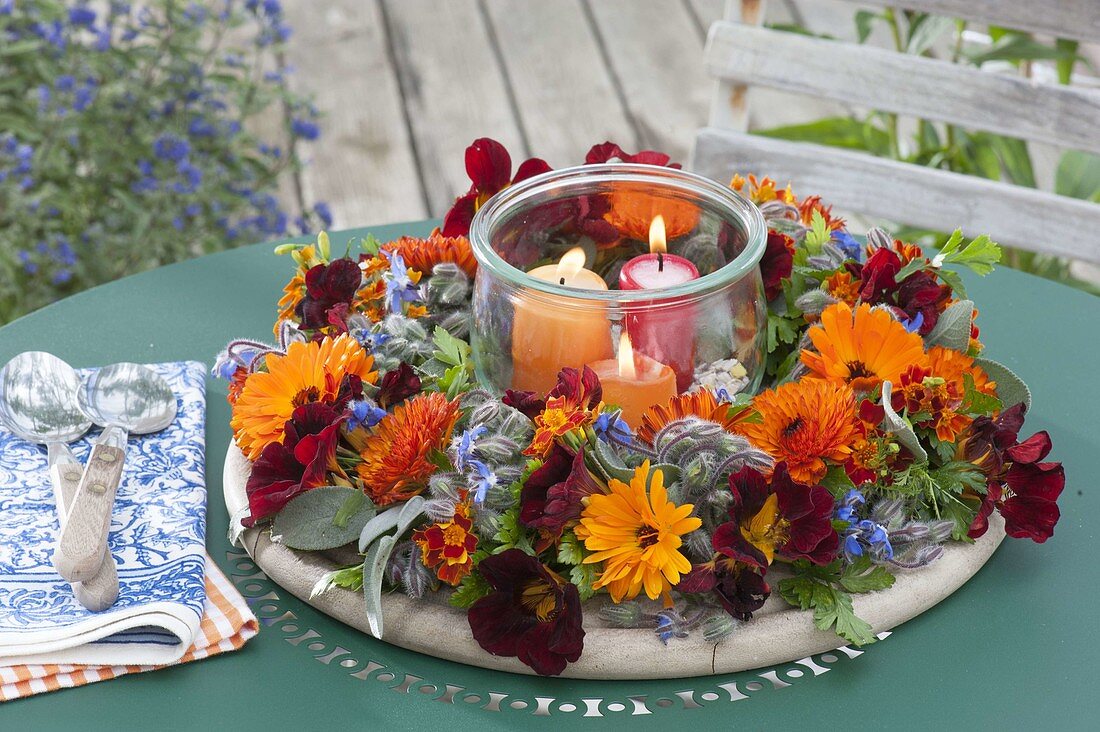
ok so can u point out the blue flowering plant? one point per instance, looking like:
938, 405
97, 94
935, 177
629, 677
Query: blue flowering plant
130, 137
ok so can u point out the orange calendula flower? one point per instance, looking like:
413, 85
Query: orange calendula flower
805, 423
637, 534
843, 287
448, 547
307, 372
861, 348
701, 403
396, 453
424, 254
558, 418
951, 365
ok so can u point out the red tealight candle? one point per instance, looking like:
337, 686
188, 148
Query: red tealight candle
664, 330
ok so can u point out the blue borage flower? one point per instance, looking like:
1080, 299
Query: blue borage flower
462, 446
364, 413
484, 480
610, 427
862, 535
847, 244
399, 287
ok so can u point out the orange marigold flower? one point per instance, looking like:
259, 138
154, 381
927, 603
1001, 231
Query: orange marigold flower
293, 293
423, 254
558, 418
307, 372
805, 423
637, 535
396, 453
922, 392
448, 547
861, 348
762, 190
811, 204
844, 287
236, 384
951, 365
701, 403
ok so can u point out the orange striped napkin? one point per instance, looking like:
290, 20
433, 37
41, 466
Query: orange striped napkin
226, 624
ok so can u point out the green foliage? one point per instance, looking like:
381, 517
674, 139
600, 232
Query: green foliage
454, 353
825, 591
350, 578
472, 588
980, 254
583, 575
323, 518
512, 534
570, 550
133, 142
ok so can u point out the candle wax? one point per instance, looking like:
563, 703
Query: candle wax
662, 329
653, 383
553, 331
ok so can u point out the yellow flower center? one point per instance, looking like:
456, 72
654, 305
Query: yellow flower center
767, 530
454, 535
537, 597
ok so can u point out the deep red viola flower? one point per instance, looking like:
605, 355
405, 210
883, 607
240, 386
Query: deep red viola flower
878, 276
532, 613
984, 444
607, 151
397, 385
740, 588
328, 285
580, 388
551, 496
777, 263
300, 462
783, 517
490, 169
921, 294
528, 402
1026, 493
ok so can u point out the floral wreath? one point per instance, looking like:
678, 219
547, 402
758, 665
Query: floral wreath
884, 436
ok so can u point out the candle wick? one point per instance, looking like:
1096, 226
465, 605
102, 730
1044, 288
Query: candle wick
561, 281
660, 261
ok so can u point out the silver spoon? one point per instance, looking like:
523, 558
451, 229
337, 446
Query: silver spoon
125, 399
38, 404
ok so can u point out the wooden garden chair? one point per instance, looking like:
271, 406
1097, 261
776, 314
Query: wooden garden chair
741, 53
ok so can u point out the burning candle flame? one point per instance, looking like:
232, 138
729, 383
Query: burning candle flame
571, 263
627, 369
657, 235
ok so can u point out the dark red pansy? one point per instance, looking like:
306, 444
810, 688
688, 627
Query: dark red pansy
777, 263
798, 525
877, 276
300, 462
397, 385
528, 402
490, 169
608, 151
580, 388
552, 495
327, 285
1025, 492
741, 590
532, 613
921, 293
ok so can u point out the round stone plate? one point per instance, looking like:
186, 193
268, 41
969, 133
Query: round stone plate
777, 634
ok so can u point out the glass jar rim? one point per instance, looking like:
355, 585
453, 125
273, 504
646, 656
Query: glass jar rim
736, 205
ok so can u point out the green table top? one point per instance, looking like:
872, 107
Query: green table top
1015, 648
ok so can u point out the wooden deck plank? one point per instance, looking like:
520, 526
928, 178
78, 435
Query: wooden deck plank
661, 73
453, 88
362, 165
564, 92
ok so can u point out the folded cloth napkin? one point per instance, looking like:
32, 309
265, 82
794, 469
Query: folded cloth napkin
225, 626
158, 533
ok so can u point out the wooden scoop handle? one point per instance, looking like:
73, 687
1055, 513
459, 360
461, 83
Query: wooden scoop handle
83, 542
100, 591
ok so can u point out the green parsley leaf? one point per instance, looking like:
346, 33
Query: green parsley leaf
838, 612
862, 576
570, 550
512, 534
350, 578
371, 245
583, 575
975, 402
472, 588
980, 254
781, 330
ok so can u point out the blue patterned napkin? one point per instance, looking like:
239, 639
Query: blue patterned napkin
158, 537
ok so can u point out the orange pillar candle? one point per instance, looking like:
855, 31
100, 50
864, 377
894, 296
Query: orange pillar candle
634, 381
550, 332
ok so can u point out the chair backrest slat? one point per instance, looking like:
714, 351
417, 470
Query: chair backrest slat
906, 84
1076, 19
910, 194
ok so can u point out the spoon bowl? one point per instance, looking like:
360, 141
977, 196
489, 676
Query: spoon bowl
38, 400
129, 396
